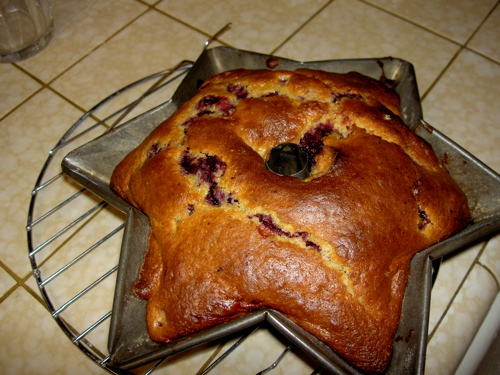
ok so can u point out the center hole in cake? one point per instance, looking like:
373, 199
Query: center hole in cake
288, 159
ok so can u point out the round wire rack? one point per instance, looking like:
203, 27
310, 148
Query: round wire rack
74, 241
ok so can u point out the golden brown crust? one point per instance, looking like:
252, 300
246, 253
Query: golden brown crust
331, 252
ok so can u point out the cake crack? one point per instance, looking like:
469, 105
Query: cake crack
267, 226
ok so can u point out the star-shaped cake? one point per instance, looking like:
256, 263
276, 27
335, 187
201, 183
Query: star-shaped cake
330, 252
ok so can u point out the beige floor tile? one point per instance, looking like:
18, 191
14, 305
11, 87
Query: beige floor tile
49, 351
6, 282
111, 67
461, 322
27, 136
486, 40
465, 99
450, 276
261, 26
80, 28
455, 19
21, 86
351, 29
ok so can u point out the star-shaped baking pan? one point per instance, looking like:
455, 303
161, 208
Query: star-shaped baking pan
92, 165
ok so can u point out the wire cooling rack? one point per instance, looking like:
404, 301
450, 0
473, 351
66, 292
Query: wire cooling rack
74, 240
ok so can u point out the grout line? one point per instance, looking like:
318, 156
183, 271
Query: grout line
479, 53
39, 90
8, 293
408, 20
192, 27
477, 30
481, 23
450, 62
48, 84
301, 26
19, 282
15, 108
491, 272
147, 4
463, 47
35, 295
105, 41
457, 291
9, 271
71, 102
441, 74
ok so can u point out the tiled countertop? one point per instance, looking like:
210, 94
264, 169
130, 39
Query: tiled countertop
102, 45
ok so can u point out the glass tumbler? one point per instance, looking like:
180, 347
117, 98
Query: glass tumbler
26, 27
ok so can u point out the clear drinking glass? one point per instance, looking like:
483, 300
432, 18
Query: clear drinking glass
26, 27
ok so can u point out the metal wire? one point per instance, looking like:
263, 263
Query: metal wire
227, 352
275, 363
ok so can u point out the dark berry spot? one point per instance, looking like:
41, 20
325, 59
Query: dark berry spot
154, 149
274, 93
225, 107
238, 89
313, 245
215, 195
336, 97
230, 199
312, 142
211, 103
189, 121
209, 100
207, 168
424, 219
190, 209
309, 243
267, 222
